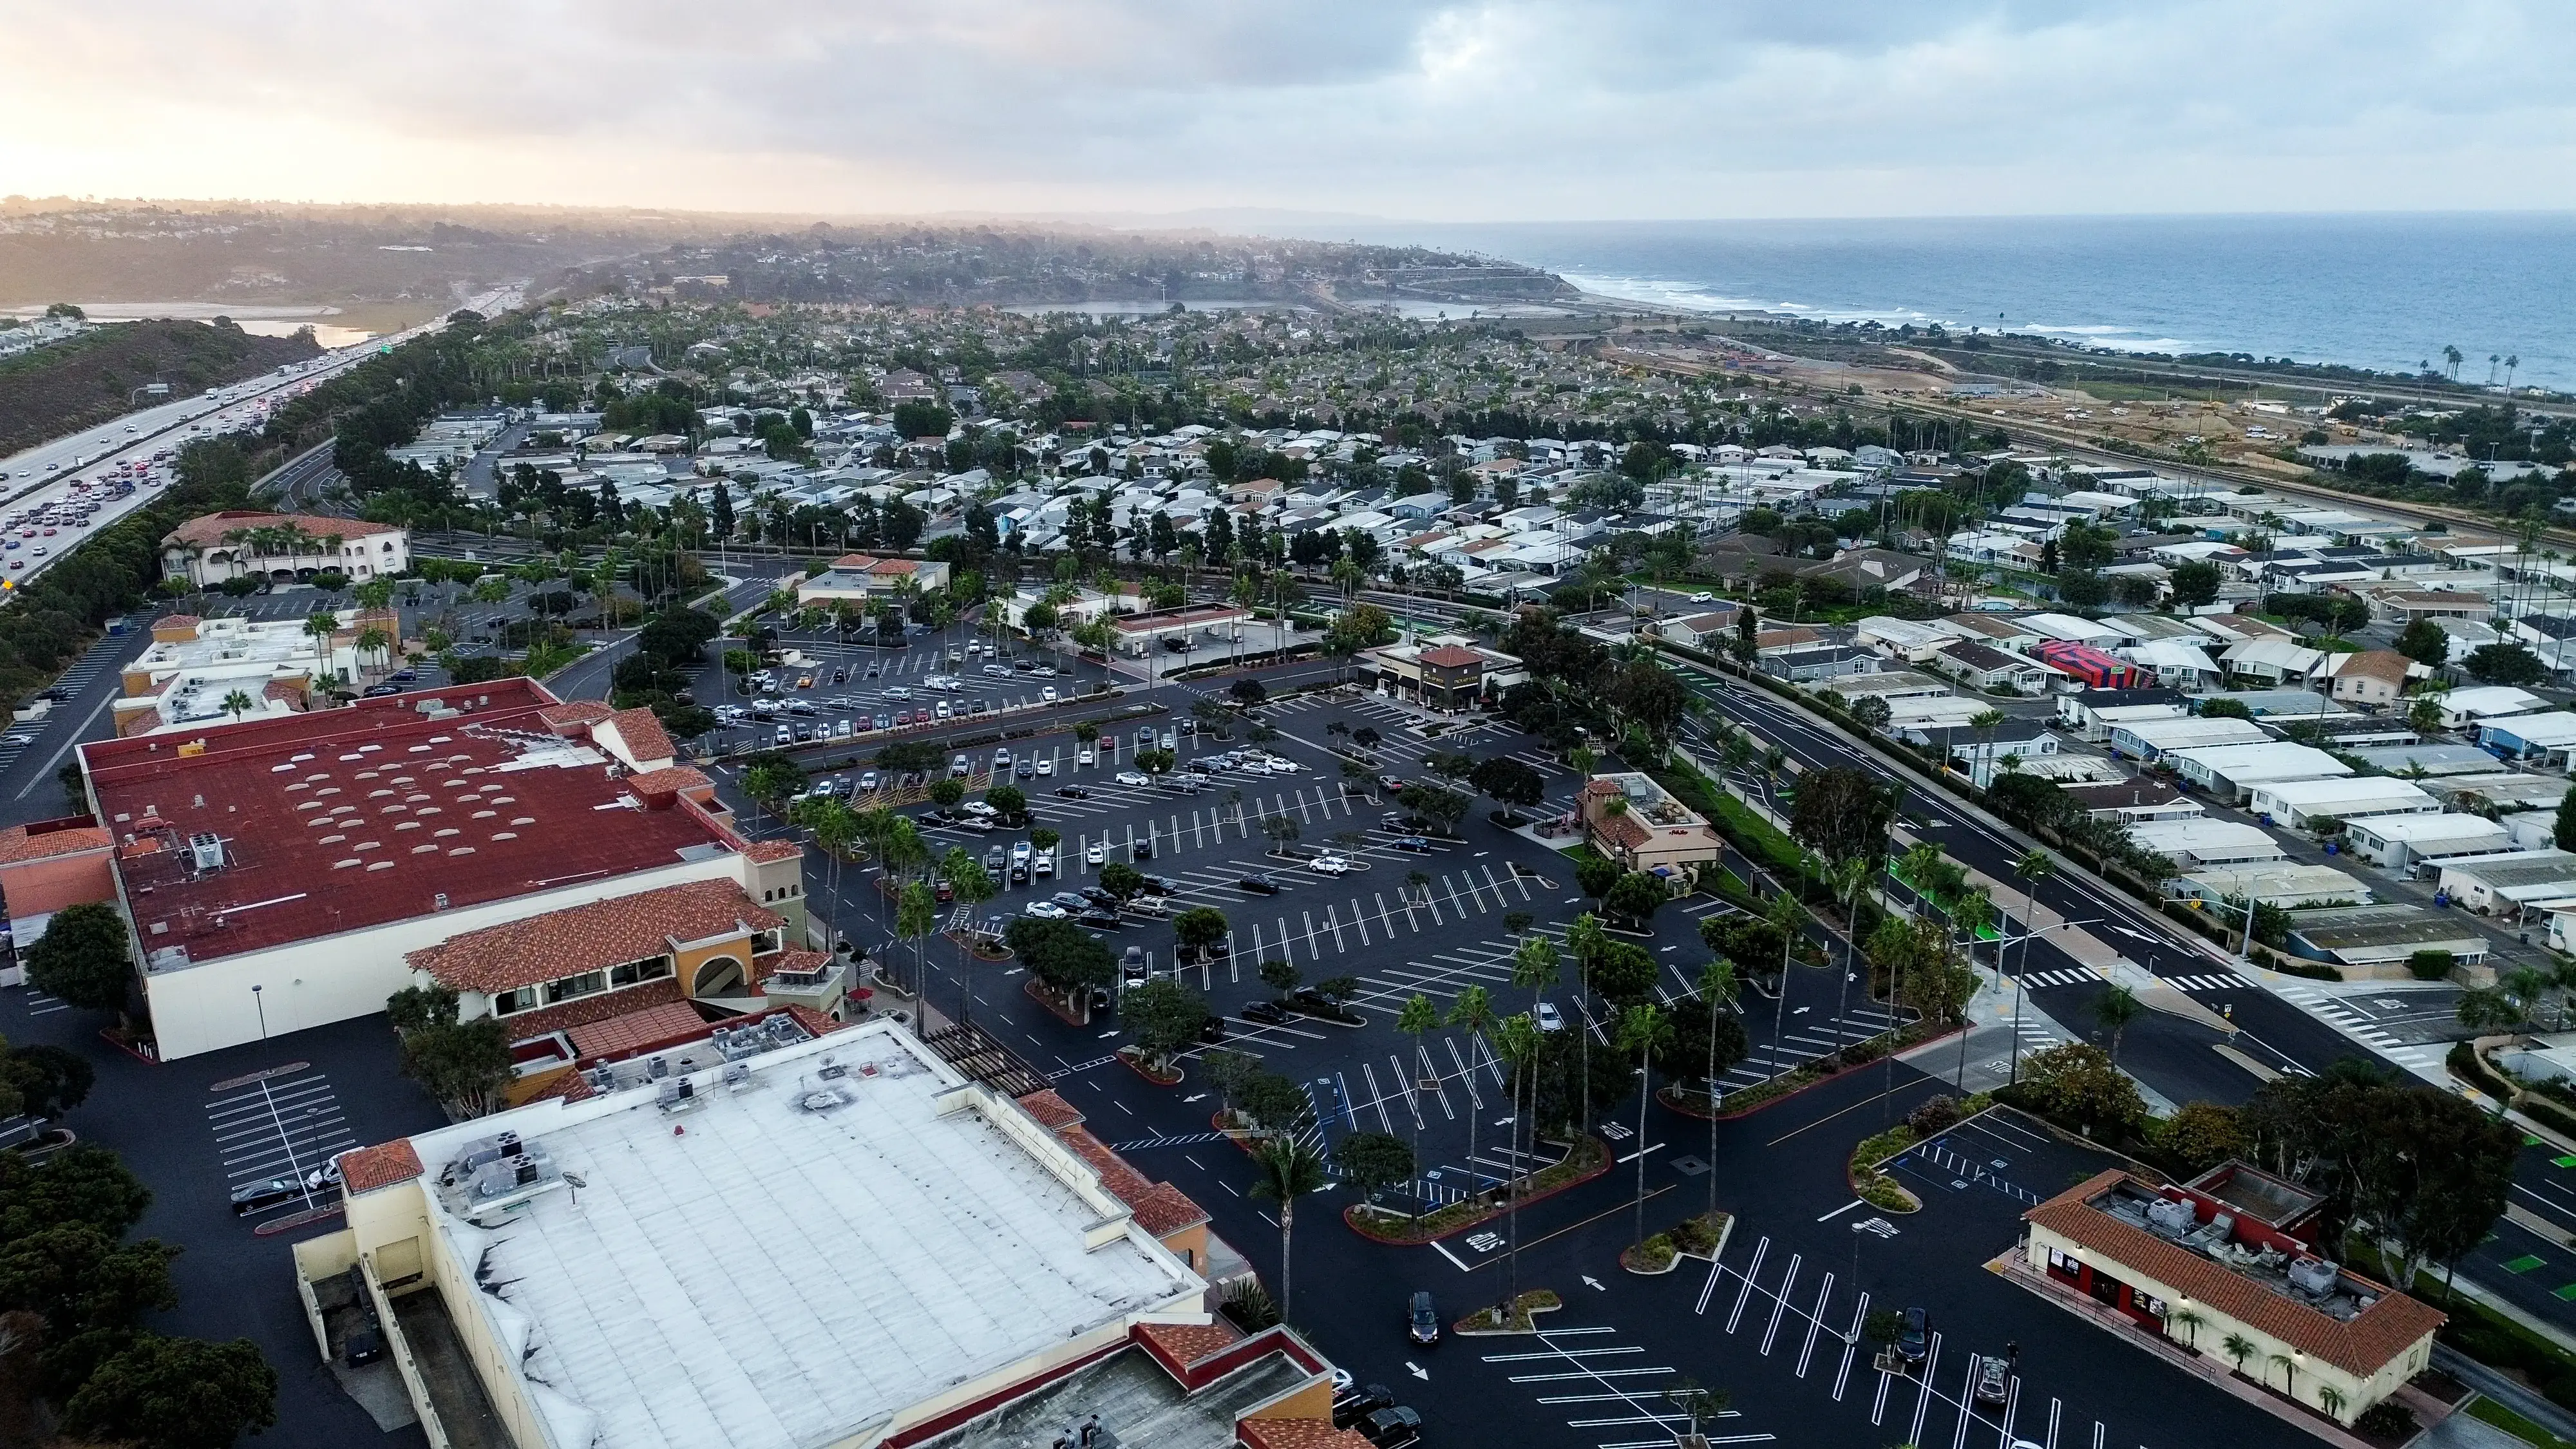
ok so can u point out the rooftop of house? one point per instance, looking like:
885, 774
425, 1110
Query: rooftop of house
46, 839
889, 1232
345, 819
210, 529
2229, 1260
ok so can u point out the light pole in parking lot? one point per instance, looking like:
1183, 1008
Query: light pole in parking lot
262, 1008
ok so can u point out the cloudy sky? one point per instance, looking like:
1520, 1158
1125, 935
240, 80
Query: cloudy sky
1396, 108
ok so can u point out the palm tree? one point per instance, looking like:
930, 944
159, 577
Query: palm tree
238, 704
2289, 1373
1518, 1038
2511, 362
1534, 969
1474, 1010
1849, 878
1717, 987
1985, 722
319, 627
1286, 1169
2113, 1011
373, 641
1417, 1017
2332, 1400
2239, 1348
1642, 1029
2191, 1321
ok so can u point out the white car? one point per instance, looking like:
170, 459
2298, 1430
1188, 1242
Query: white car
1286, 767
1703, 598
1047, 694
1045, 911
900, 691
1082, 759
1329, 865
1097, 853
1134, 777
1549, 1018
1047, 766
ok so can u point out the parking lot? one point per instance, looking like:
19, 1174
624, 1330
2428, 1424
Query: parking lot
275, 1135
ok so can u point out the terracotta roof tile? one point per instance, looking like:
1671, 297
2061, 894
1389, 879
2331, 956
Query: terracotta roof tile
1053, 1112
592, 937
1297, 1434
1623, 830
675, 780
1452, 656
1188, 1343
1163, 1210
584, 1010
574, 712
816, 1023
364, 1169
209, 530
766, 850
18, 846
768, 966
1124, 1182
2375, 1336
642, 735
177, 621
635, 1029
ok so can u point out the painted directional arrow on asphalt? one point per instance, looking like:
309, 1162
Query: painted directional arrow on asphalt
1416, 1369
1593, 1283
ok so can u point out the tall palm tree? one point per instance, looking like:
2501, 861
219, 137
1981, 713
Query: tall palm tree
1518, 1039
1849, 878
1643, 1028
1717, 987
319, 627
2239, 1348
2033, 867
1474, 1010
237, 703
1418, 1016
1535, 969
1285, 1169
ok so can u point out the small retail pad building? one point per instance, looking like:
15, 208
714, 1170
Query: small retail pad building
799, 1234
2221, 1257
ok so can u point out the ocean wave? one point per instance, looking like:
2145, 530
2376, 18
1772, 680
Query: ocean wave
1701, 299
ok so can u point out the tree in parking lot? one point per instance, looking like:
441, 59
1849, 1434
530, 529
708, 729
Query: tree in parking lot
1444, 808
1010, 800
916, 914
1635, 897
1286, 1169
1066, 957
771, 778
948, 792
1373, 1161
2076, 1083
85, 958
1199, 928
1121, 879
908, 756
1164, 1016
1280, 829
1275, 1103
1281, 976
1044, 840
1155, 762
1338, 989
1508, 781
1247, 691
1227, 1071
463, 1064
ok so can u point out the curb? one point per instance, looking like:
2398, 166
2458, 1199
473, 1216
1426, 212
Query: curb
1608, 1161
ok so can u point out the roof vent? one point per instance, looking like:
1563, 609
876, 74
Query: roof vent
439, 901
207, 848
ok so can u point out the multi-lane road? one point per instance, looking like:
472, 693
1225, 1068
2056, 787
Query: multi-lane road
45, 474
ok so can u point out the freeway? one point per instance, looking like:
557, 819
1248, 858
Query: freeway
46, 474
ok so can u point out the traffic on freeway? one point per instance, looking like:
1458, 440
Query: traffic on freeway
92, 478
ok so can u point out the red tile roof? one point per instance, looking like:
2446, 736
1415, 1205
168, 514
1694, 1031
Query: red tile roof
2373, 1338
769, 850
21, 843
1163, 1210
1623, 830
1189, 1343
364, 1169
633, 1030
591, 937
1053, 1112
1297, 1434
1452, 656
674, 780
642, 735
575, 712
584, 1010
1158, 1207
209, 530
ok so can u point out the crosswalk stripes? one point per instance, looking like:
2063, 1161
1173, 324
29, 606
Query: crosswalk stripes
2079, 976
2219, 981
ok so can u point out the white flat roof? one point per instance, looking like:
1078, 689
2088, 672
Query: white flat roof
2258, 764
2545, 730
760, 1275
2190, 730
2358, 789
2206, 840
2489, 699
2421, 830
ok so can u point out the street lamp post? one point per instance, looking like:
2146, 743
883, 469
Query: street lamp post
262, 1008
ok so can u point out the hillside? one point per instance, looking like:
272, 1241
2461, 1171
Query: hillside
89, 380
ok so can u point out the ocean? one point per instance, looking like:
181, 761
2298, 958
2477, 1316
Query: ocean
2385, 291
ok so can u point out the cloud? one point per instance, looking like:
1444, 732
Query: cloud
1542, 109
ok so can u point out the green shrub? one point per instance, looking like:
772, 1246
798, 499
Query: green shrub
2431, 965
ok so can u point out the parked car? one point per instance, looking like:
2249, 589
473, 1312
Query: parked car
1411, 842
1099, 896
1393, 1427
1993, 1380
1914, 1336
1045, 911
1099, 920
1548, 1017
1263, 884
1096, 853
1329, 865
1073, 792
1422, 1320
1134, 777
1352, 1403
1268, 1013
1072, 900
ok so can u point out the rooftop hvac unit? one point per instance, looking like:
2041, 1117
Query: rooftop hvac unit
2313, 1275
2170, 1217
208, 848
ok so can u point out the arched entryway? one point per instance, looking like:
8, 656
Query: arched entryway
719, 976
